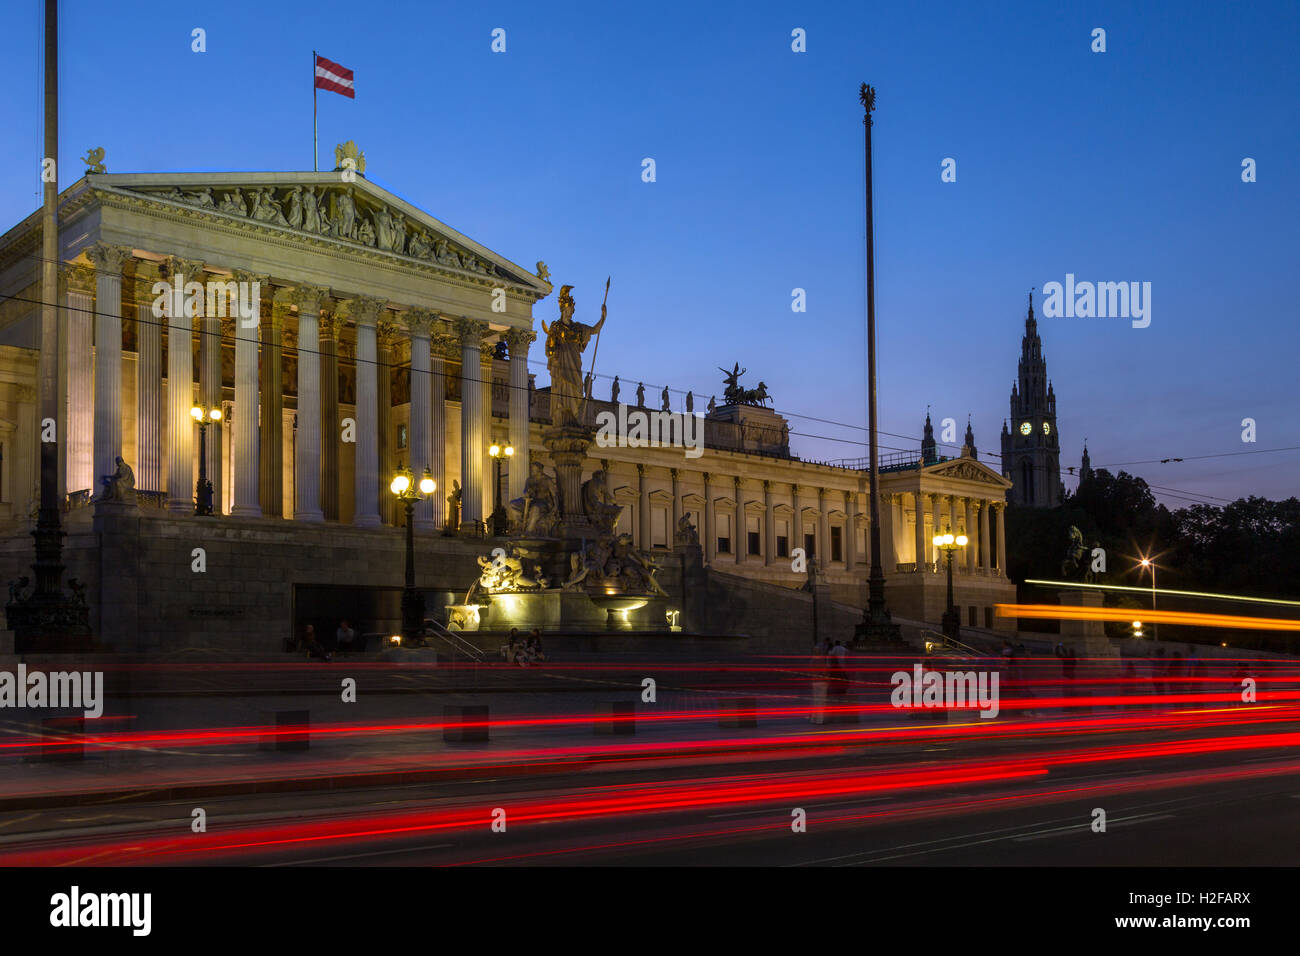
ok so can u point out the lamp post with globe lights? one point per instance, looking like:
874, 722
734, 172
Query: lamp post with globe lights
406, 490
947, 542
204, 415
499, 520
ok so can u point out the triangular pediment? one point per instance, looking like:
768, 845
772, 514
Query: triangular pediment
967, 469
321, 207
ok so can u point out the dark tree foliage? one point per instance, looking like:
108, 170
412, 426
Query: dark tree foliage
1248, 547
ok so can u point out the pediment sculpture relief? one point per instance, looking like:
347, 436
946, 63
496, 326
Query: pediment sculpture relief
336, 212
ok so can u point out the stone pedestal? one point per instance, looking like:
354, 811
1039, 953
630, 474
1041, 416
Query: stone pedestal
1088, 638
568, 446
117, 525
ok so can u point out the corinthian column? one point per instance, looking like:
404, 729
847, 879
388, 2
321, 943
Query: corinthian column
180, 391
442, 347
1002, 539
272, 433
80, 282
209, 395
420, 322
245, 451
365, 312
518, 341
385, 335
148, 386
108, 261
769, 525
306, 465
920, 529
329, 417
487, 350
984, 536
473, 439
970, 536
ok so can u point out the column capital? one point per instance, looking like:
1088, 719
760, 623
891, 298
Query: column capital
736, 480
470, 331
640, 469
518, 340
420, 322
191, 269
673, 472
107, 257
386, 333
329, 326
364, 309
767, 484
78, 278
444, 345
487, 352
307, 298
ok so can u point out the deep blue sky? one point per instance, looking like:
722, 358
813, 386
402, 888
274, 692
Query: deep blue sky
1118, 166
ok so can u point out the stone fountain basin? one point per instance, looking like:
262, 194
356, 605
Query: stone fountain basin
619, 602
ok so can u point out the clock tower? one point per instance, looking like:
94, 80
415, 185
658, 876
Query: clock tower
1031, 447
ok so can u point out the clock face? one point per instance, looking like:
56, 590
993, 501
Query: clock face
1047, 428
1026, 428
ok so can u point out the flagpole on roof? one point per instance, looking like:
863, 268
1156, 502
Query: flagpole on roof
314, 149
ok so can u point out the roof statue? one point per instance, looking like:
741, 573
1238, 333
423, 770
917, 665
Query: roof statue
349, 150
94, 160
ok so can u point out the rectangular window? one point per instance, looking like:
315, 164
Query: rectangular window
724, 534
988, 618
809, 543
755, 543
837, 543
972, 616
782, 546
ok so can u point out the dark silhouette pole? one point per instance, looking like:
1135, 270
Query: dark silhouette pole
46, 619
877, 626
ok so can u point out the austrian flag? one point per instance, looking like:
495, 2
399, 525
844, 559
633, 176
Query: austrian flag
331, 76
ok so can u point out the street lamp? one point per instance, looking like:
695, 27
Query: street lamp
499, 512
408, 492
947, 542
1148, 563
204, 415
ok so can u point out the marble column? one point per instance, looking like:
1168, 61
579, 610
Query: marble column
796, 522
420, 324
108, 261
486, 351
823, 531
271, 435
518, 341
850, 530
710, 538
643, 508
180, 391
740, 534
443, 348
936, 524
888, 546
149, 379
209, 396
920, 530
365, 312
1002, 540
473, 440
81, 460
330, 330
307, 465
984, 536
971, 543
769, 524
246, 451
385, 335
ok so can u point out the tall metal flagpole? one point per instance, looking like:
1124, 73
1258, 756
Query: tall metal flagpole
877, 625
45, 619
314, 148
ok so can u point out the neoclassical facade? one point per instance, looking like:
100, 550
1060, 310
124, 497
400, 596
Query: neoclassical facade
381, 338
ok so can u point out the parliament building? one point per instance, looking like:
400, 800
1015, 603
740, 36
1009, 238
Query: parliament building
378, 338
